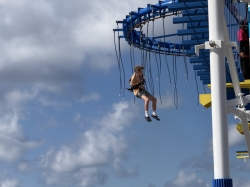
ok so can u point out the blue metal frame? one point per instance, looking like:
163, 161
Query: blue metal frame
193, 13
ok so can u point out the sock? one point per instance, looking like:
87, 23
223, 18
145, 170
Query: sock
146, 113
154, 113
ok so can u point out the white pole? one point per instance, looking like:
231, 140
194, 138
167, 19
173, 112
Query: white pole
231, 61
218, 91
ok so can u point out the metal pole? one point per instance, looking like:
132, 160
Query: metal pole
218, 92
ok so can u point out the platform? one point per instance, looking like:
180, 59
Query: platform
206, 101
242, 155
240, 128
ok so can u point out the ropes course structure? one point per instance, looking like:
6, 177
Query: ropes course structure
190, 14
208, 39
194, 16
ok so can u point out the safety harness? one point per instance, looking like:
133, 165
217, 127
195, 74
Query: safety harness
131, 89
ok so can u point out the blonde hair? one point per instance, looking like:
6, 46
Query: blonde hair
138, 68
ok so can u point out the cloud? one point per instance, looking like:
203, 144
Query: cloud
24, 166
15, 99
234, 137
151, 185
167, 100
13, 142
103, 146
6, 180
77, 117
245, 184
50, 41
201, 162
47, 101
241, 182
10, 183
53, 40
186, 180
240, 165
122, 172
204, 162
38, 43
91, 97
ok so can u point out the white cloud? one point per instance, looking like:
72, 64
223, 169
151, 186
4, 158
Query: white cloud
6, 180
234, 137
167, 100
77, 117
53, 40
24, 166
151, 185
15, 99
7, 20
245, 184
102, 146
184, 179
123, 172
13, 142
91, 97
241, 182
46, 101
203, 162
10, 183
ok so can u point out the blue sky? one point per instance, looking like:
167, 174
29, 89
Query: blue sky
62, 121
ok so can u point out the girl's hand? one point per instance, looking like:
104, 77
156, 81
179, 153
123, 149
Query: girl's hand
242, 55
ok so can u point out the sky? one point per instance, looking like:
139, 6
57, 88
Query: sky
62, 121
